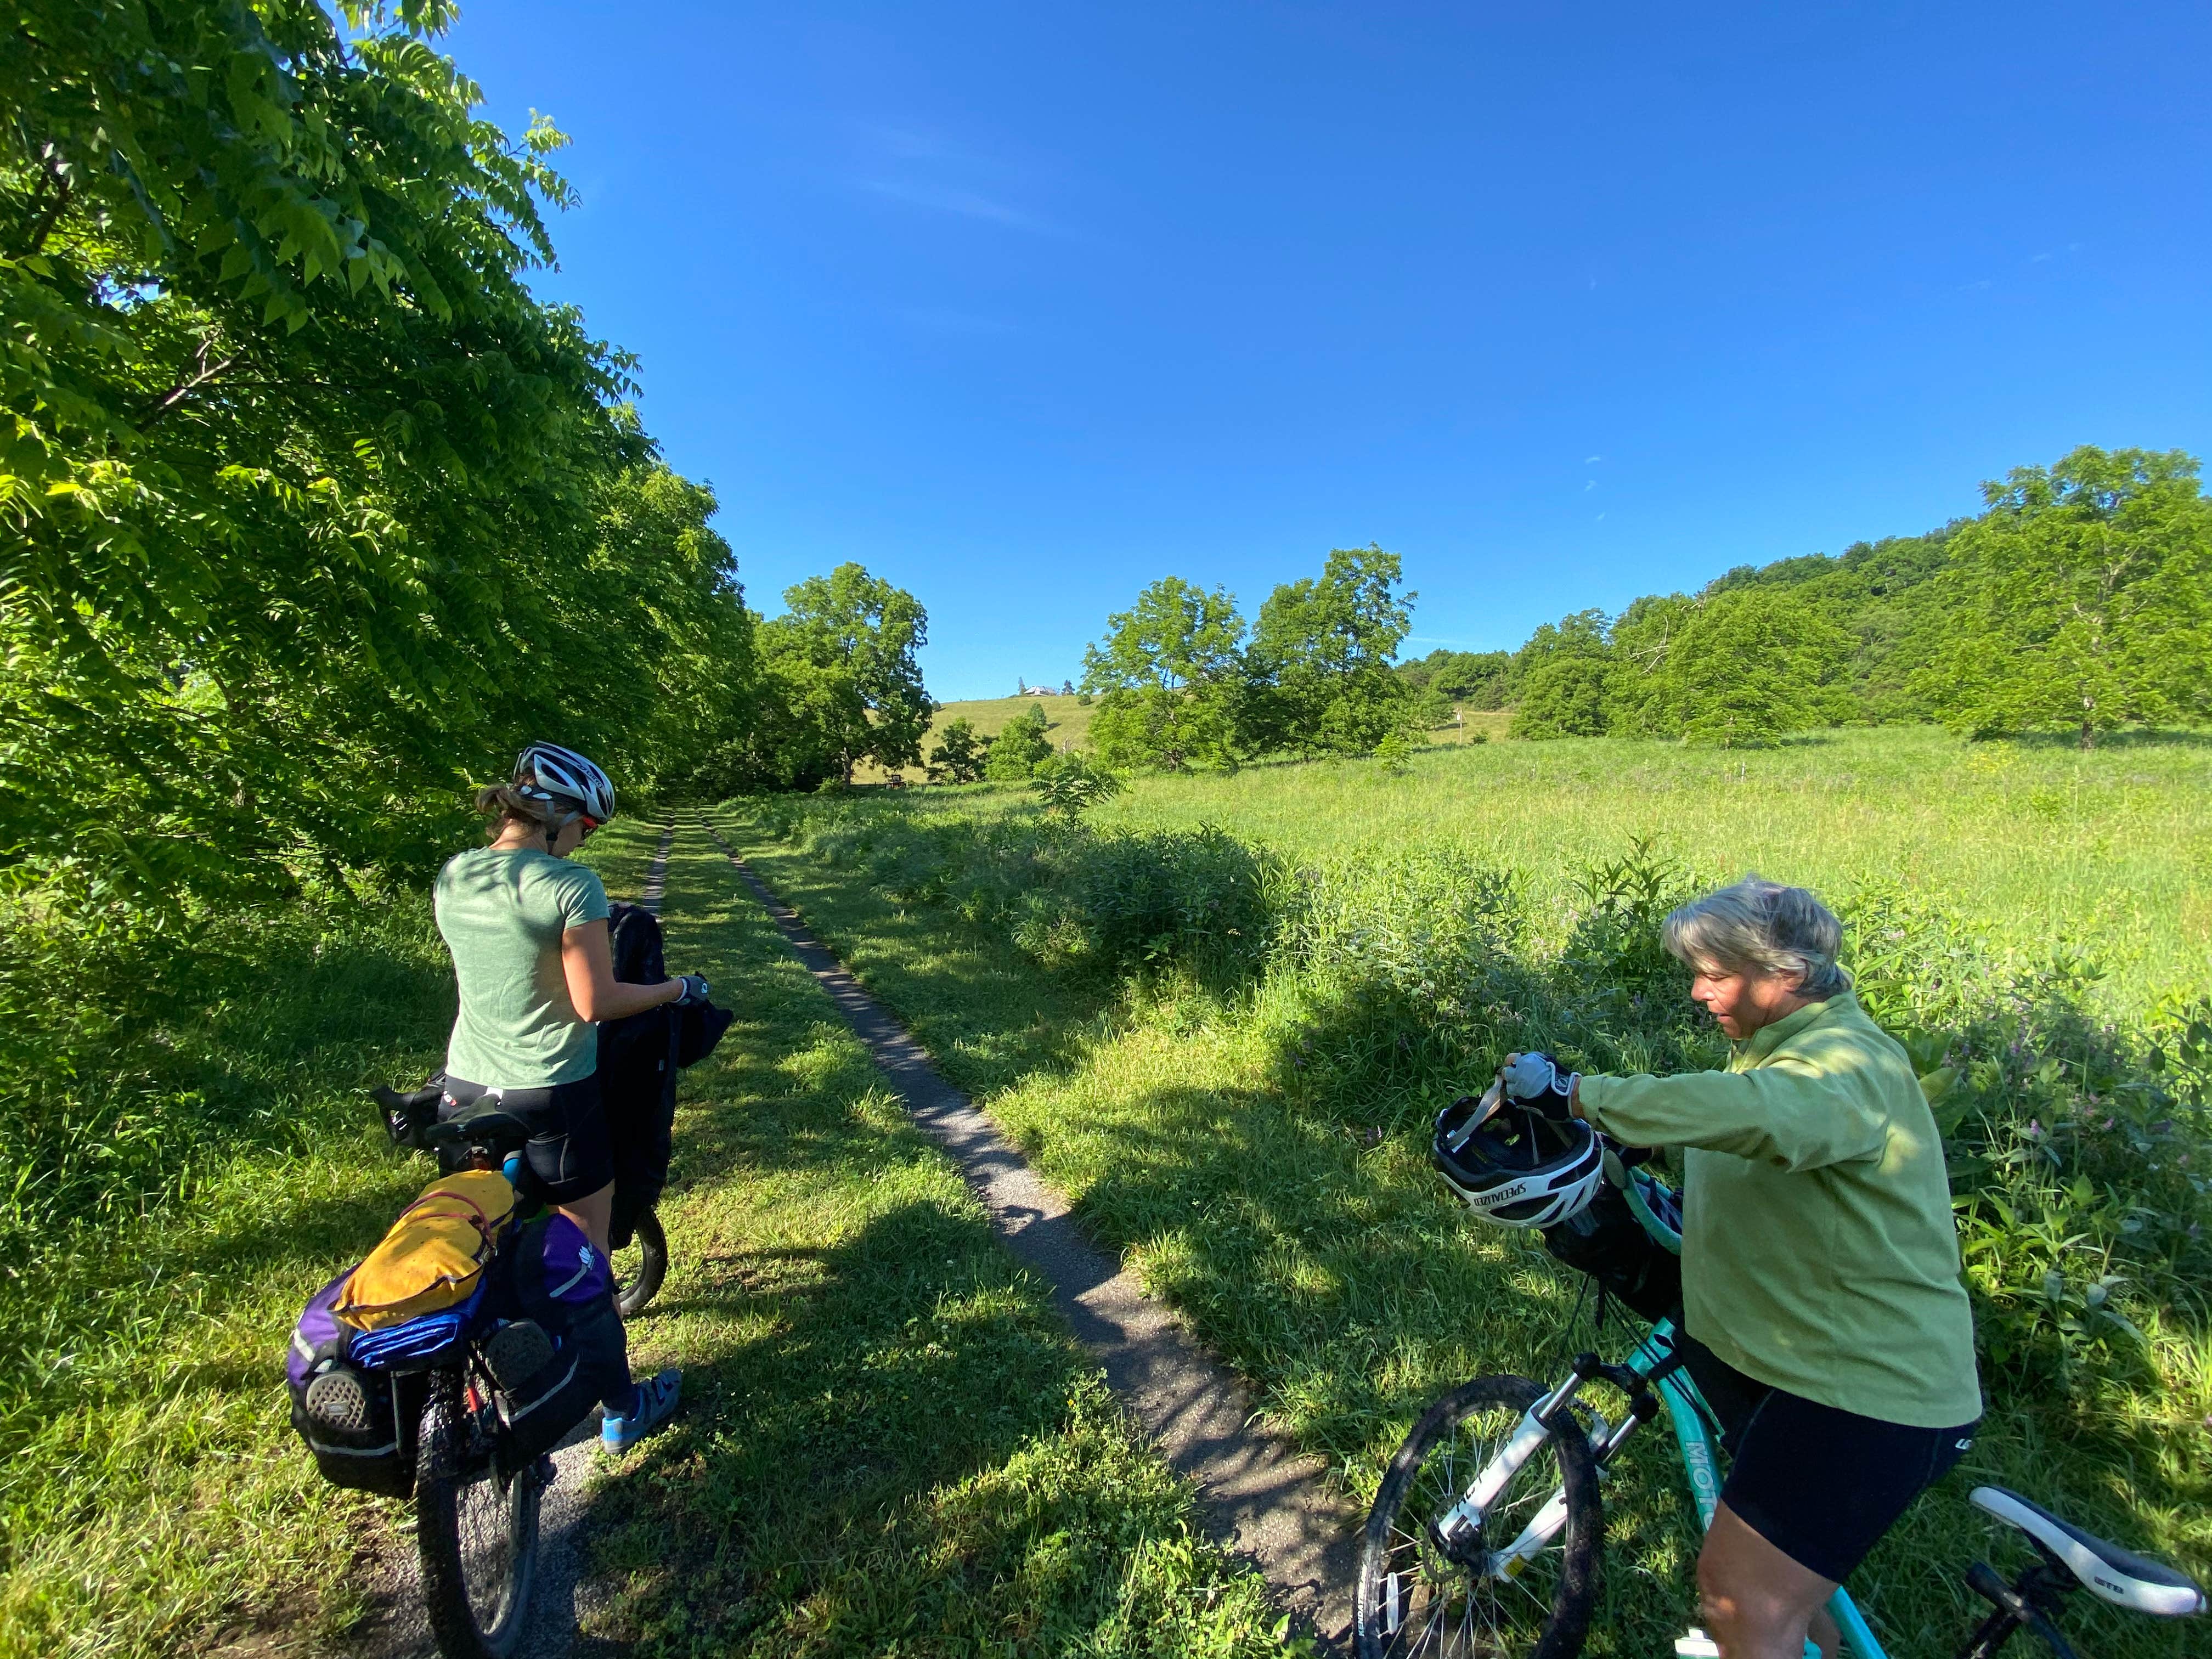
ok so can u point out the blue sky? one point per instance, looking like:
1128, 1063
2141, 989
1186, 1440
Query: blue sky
1022, 307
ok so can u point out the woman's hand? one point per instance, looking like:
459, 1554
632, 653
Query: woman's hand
587, 963
1536, 1082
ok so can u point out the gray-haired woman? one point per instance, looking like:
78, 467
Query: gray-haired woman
1824, 1319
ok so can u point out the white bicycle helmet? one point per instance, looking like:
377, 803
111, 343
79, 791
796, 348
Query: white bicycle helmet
565, 780
1515, 1168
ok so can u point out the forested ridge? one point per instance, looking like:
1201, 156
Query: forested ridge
2081, 600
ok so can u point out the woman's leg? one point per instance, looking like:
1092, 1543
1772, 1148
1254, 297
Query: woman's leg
594, 1213
1812, 1490
1758, 1603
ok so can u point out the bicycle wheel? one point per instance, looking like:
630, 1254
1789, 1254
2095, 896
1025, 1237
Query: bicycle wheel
478, 1538
1420, 1595
640, 1266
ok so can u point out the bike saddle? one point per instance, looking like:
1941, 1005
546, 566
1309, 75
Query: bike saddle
2119, 1575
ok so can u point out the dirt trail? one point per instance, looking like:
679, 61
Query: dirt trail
1261, 1497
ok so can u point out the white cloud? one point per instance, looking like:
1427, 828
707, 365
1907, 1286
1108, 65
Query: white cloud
940, 199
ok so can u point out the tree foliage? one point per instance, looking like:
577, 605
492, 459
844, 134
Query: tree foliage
959, 754
839, 682
1167, 676
1564, 674
2083, 598
1019, 748
1321, 655
311, 512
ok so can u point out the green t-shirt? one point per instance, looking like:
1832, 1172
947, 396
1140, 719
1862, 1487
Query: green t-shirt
502, 913
1819, 1253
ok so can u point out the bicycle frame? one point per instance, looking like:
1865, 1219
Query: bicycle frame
1696, 1432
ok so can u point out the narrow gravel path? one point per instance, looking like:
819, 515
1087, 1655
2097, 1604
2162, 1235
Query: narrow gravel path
1262, 1498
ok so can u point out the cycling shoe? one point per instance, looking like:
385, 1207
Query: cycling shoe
650, 1408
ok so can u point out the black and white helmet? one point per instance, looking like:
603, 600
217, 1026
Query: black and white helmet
564, 780
1515, 1168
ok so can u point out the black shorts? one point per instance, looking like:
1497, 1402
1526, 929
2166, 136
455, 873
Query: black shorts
1819, 1483
568, 1155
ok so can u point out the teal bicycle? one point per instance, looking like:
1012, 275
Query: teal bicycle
1487, 1537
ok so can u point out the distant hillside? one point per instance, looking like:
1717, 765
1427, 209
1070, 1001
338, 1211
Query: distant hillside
1070, 718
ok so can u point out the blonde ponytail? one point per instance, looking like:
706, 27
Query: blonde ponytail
503, 803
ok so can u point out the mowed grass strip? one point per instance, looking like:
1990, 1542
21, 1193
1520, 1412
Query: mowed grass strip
1335, 1273
888, 1443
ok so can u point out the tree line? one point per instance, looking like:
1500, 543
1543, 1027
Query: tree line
313, 511
2079, 600
1182, 683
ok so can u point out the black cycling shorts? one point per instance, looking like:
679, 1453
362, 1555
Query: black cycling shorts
1821, 1484
568, 1155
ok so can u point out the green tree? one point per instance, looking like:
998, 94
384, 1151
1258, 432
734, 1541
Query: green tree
1017, 750
1320, 659
844, 652
1477, 679
1564, 676
1166, 679
311, 512
959, 755
1750, 666
2084, 599
1431, 707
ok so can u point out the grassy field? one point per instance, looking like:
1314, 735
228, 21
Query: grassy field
1295, 1220
888, 1443
2107, 853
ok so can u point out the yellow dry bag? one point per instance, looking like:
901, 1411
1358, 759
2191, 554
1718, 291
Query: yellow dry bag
436, 1254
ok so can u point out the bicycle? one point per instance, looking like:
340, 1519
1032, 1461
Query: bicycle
1485, 1538
476, 1518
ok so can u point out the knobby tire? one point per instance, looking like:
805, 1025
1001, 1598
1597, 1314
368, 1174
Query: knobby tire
1443, 1610
478, 1542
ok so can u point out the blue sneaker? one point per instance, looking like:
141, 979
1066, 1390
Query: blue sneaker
651, 1406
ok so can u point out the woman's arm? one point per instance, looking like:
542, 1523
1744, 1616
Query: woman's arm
1787, 1115
588, 963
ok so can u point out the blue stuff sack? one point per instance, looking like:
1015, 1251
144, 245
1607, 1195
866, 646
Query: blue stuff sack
349, 1417
421, 1343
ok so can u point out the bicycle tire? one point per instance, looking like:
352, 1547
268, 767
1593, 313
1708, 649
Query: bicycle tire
650, 1243
478, 1545
1413, 1599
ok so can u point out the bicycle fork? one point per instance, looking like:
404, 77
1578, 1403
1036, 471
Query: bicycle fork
1461, 1524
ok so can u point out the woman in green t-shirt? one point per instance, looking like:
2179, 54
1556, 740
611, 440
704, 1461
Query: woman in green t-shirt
527, 929
1824, 1319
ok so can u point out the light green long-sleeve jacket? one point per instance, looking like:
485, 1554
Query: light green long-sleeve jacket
1818, 1252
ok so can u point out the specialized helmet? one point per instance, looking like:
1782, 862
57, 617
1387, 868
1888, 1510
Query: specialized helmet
564, 780
1515, 1168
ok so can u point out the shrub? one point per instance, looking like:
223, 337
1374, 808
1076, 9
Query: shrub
1014, 752
1069, 785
